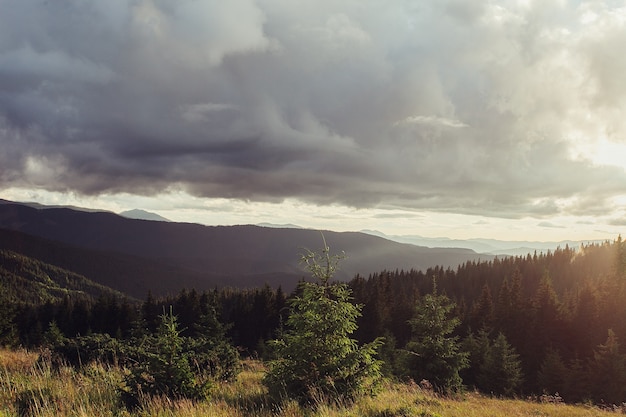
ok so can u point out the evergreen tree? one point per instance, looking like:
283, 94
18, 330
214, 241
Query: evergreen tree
482, 311
552, 374
162, 367
8, 330
433, 353
620, 258
316, 357
501, 370
210, 349
54, 337
577, 387
477, 348
608, 372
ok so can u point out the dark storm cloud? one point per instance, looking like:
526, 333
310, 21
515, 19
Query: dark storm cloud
450, 106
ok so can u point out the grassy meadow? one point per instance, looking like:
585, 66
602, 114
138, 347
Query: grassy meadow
30, 386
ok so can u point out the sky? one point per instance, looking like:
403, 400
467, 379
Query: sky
456, 118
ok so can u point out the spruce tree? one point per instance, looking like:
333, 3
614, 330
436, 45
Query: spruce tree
477, 347
316, 357
8, 330
433, 353
501, 370
162, 367
608, 372
552, 373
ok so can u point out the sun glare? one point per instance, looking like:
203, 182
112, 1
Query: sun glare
600, 152
609, 153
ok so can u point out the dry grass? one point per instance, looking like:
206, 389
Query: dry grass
31, 387
17, 360
474, 405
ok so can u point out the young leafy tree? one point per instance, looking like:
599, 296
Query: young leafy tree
433, 353
316, 357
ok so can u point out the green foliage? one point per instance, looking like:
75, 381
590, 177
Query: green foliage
8, 330
477, 346
96, 347
214, 357
608, 372
552, 375
316, 357
434, 354
53, 337
500, 371
27, 280
163, 367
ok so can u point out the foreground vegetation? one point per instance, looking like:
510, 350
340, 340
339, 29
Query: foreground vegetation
514, 327
30, 385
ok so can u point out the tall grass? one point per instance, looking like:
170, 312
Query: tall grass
31, 386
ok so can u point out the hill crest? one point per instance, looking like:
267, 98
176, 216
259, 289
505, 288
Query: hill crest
244, 255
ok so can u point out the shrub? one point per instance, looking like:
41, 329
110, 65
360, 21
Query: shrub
98, 347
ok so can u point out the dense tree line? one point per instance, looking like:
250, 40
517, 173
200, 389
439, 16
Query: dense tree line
561, 314
545, 322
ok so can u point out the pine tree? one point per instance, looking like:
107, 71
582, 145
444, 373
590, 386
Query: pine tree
482, 311
608, 372
8, 330
162, 367
501, 370
477, 348
434, 354
210, 350
316, 357
552, 374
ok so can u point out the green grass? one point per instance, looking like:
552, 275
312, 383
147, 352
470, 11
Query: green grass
30, 386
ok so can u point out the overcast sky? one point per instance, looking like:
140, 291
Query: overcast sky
451, 118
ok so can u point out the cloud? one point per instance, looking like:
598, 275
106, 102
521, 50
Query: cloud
432, 120
448, 106
550, 225
618, 221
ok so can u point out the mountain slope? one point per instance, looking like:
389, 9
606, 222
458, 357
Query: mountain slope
129, 274
223, 255
27, 280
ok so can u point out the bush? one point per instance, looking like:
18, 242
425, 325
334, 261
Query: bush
96, 347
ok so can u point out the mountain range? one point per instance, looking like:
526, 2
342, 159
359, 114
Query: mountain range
483, 246
136, 256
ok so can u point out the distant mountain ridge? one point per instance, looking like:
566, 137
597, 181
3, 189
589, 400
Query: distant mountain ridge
481, 245
209, 256
43, 206
143, 215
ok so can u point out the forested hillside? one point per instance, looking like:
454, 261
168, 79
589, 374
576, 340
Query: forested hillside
30, 281
539, 323
136, 256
